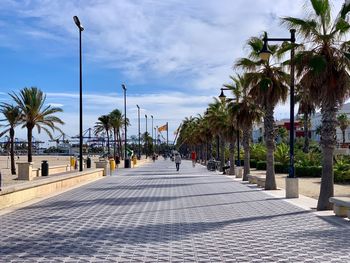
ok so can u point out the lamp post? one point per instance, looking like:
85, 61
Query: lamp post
81, 29
152, 131
291, 185
146, 138
222, 97
155, 138
138, 117
126, 161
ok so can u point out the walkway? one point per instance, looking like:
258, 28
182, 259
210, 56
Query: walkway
154, 214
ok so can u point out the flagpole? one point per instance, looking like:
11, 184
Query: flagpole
167, 134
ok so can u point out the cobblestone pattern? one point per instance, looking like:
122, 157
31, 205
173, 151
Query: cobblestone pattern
154, 214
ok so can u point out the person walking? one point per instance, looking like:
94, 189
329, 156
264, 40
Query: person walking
177, 160
193, 158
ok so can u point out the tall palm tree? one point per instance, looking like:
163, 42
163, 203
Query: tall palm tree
13, 118
31, 102
116, 121
268, 87
343, 122
221, 123
323, 69
103, 125
306, 108
247, 113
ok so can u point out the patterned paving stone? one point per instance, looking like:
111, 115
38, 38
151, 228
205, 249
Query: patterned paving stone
155, 214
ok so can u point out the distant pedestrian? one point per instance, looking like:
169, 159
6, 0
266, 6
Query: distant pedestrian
177, 160
193, 158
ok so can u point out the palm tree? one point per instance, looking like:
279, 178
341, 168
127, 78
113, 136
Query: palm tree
31, 102
247, 113
343, 122
116, 121
103, 125
221, 123
268, 87
323, 69
306, 108
13, 118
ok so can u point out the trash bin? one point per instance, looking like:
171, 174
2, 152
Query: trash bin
72, 161
88, 162
112, 164
44, 168
127, 163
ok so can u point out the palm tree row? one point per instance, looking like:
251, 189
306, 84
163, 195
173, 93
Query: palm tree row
112, 123
28, 111
322, 71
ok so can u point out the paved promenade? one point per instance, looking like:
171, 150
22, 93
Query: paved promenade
155, 214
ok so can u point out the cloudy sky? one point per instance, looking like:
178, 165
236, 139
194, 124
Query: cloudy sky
173, 55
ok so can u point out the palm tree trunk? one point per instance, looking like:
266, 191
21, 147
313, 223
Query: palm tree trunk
306, 133
115, 142
108, 149
245, 142
328, 142
12, 151
269, 124
222, 153
29, 139
343, 133
232, 158
120, 146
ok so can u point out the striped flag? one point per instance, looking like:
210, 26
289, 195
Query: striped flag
163, 128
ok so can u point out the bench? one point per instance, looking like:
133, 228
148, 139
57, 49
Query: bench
252, 179
341, 206
261, 182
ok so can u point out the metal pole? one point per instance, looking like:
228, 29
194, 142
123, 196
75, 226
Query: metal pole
138, 116
238, 149
152, 131
167, 134
80, 107
291, 135
146, 138
125, 128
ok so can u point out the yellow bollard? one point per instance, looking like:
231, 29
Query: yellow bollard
72, 161
112, 164
134, 160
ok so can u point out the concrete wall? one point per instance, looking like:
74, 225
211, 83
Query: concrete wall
20, 193
52, 170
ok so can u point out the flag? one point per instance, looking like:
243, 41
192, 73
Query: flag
163, 128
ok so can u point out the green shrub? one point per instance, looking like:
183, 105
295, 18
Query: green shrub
341, 176
309, 171
253, 163
258, 152
282, 153
261, 165
281, 168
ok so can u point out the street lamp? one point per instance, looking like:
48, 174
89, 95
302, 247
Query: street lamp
81, 29
222, 97
291, 185
146, 138
126, 160
138, 117
152, 131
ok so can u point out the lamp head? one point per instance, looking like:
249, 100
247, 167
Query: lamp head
77, 22
146, 116
265, 53
123, 86
137, 106
222, 96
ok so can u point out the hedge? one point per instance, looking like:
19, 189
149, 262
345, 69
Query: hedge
281, 168
309, 171
341, 177
253, 163
261, 165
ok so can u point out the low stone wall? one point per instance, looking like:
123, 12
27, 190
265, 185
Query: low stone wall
52, 170
20, 193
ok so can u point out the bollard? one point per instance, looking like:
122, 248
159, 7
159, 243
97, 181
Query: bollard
44, 168
88, 162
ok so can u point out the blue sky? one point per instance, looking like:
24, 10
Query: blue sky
173, 55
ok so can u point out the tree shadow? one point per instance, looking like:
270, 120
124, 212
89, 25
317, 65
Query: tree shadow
89, 241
